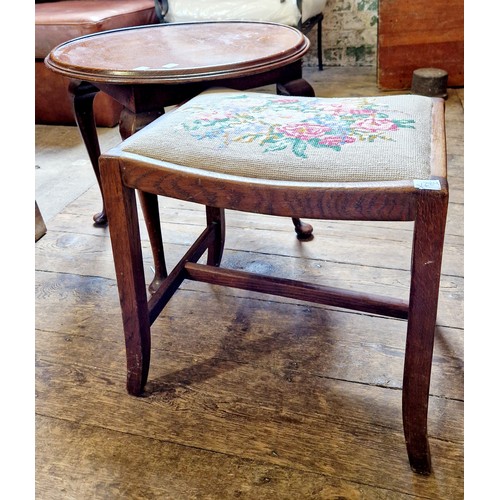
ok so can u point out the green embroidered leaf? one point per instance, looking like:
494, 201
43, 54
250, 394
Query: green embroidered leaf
405, 123
336, 147
275, 145
299, 148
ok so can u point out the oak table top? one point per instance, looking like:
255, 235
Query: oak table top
179, 52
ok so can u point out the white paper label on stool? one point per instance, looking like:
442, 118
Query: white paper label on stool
432, 184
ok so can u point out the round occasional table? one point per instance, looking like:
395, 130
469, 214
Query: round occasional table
148, 68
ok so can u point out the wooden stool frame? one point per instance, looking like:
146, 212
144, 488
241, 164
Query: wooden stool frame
424, 203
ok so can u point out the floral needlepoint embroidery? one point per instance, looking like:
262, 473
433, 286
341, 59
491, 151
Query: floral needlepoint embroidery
276, 123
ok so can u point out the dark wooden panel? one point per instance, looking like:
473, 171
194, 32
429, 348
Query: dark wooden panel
420, 34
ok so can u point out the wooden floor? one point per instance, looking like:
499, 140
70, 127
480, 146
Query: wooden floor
249, 396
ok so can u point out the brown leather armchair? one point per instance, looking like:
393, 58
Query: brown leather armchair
57, 21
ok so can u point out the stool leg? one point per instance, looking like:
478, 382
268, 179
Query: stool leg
127, 254
428, 241
216, 216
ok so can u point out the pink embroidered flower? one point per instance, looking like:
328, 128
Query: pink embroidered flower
374, 125
303, 131
336, 140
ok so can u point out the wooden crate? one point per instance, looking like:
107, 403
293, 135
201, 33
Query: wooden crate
419, 34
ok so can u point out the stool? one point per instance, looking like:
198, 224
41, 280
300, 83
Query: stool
358, 159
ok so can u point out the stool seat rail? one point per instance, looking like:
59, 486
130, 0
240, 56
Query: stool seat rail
370, 201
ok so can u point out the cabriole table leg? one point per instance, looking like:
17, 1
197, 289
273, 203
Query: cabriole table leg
130, 123
298, 87
83, 105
